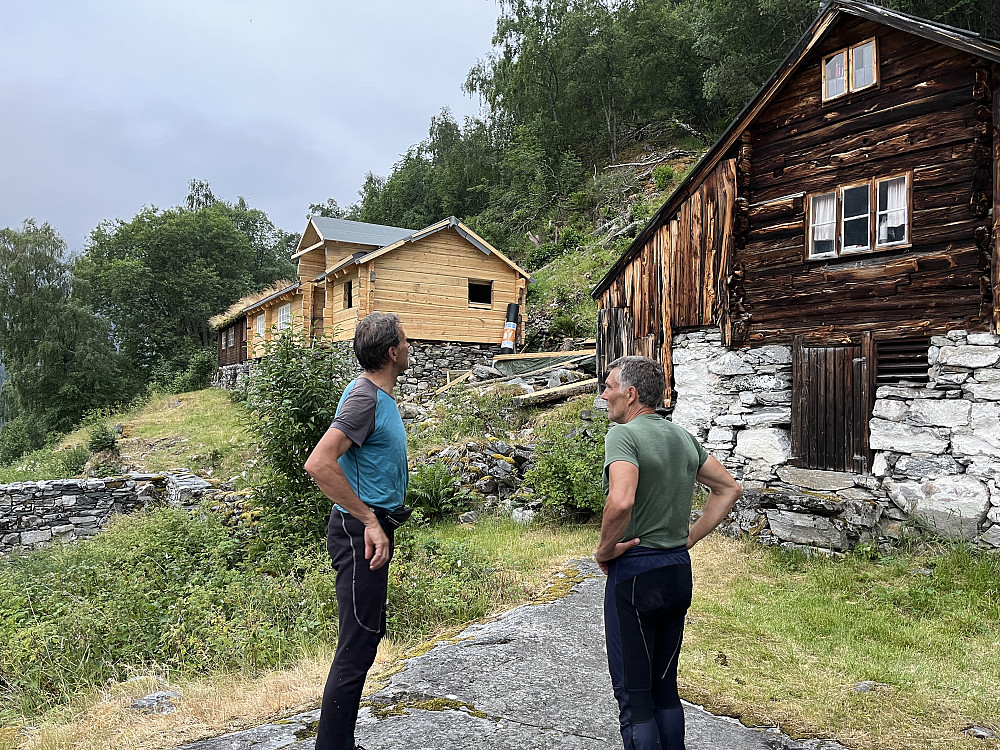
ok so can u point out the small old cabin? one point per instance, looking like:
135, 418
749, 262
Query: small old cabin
445, 282
827, 247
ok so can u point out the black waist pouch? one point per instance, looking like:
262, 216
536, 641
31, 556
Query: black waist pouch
393, 519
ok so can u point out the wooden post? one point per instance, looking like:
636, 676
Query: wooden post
995, 254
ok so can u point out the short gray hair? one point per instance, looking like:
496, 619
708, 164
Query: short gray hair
373, 336
645, 375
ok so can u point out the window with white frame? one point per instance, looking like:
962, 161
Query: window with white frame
232, 337
260, 325
859, 218
851, 69
222, 339
284, 316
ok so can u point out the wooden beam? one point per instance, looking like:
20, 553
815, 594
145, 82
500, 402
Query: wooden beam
553, 394
540, 355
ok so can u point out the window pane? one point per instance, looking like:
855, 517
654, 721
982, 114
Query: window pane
863, 65
823, 224
856, 201
892, 211
856, 233
835, 79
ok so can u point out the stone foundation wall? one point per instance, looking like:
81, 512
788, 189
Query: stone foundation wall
936, 446
33, 514
430, 362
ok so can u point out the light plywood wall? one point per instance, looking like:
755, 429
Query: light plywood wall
426, 283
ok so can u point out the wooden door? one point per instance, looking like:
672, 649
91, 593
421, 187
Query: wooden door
831, 406
614, 334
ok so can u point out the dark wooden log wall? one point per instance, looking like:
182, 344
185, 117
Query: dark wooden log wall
680, 278
236, 353
921, 117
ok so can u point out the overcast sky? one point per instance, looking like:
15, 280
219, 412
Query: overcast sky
109, 106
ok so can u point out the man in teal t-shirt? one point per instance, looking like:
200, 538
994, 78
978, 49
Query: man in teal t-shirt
650, 469
360, 465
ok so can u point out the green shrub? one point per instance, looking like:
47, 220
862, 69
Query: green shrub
663, 175
291, 401
198, 374
568, 469
434, 491
102, 438
72, 460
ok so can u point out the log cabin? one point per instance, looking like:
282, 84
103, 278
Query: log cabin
833, 238
445, 282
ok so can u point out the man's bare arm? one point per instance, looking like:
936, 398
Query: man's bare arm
623, 478
724, 491
322, 466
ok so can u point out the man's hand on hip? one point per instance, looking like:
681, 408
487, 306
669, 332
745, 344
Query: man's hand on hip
376, 545
619, 549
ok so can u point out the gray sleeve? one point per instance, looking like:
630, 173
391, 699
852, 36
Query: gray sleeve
356, 416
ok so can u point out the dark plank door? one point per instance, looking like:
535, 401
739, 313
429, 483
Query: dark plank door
831, 397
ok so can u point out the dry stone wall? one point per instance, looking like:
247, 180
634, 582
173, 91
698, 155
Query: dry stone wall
34, 514
430, 364
937, 446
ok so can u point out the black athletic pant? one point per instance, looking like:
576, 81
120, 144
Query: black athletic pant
361, 605
646, 597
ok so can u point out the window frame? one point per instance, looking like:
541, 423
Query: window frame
481, 305
284, 321
232, 337
842, 219
260, 325
908, 242
348, 294
223, 335
849, 87
874, 246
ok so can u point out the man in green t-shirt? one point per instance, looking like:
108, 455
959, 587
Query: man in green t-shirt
650, 469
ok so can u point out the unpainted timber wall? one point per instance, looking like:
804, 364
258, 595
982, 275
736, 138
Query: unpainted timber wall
925, 118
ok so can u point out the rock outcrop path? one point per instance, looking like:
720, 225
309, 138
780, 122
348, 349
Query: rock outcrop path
535, 677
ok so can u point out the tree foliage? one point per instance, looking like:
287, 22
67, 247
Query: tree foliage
57, 352
160, 276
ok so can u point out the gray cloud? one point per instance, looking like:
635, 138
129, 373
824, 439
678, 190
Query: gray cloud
111, 106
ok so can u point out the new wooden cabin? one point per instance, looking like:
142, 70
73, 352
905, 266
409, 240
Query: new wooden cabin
849, 212
445, 282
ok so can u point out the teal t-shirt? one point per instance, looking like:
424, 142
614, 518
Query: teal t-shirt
669, 458
375, 465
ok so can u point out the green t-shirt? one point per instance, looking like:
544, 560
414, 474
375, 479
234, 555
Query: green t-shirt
669, 457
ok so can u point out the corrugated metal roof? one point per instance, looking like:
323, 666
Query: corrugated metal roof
358, 232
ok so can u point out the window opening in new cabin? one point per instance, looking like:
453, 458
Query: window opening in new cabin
348, 295
891, 212
852, 70
855, 200
284, 316
260, 325
480, 293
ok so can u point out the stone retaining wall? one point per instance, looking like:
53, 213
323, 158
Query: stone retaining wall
33, 514
430, 363
937, 447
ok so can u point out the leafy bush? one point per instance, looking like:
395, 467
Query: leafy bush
102, 438
198, 374
291, 401
72, 460
434, 491
663, 175
568, 469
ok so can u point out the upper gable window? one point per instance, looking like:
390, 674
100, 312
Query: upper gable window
850, 69
859, 218
348, 295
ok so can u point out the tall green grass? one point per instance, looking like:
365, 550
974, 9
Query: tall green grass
169, 591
